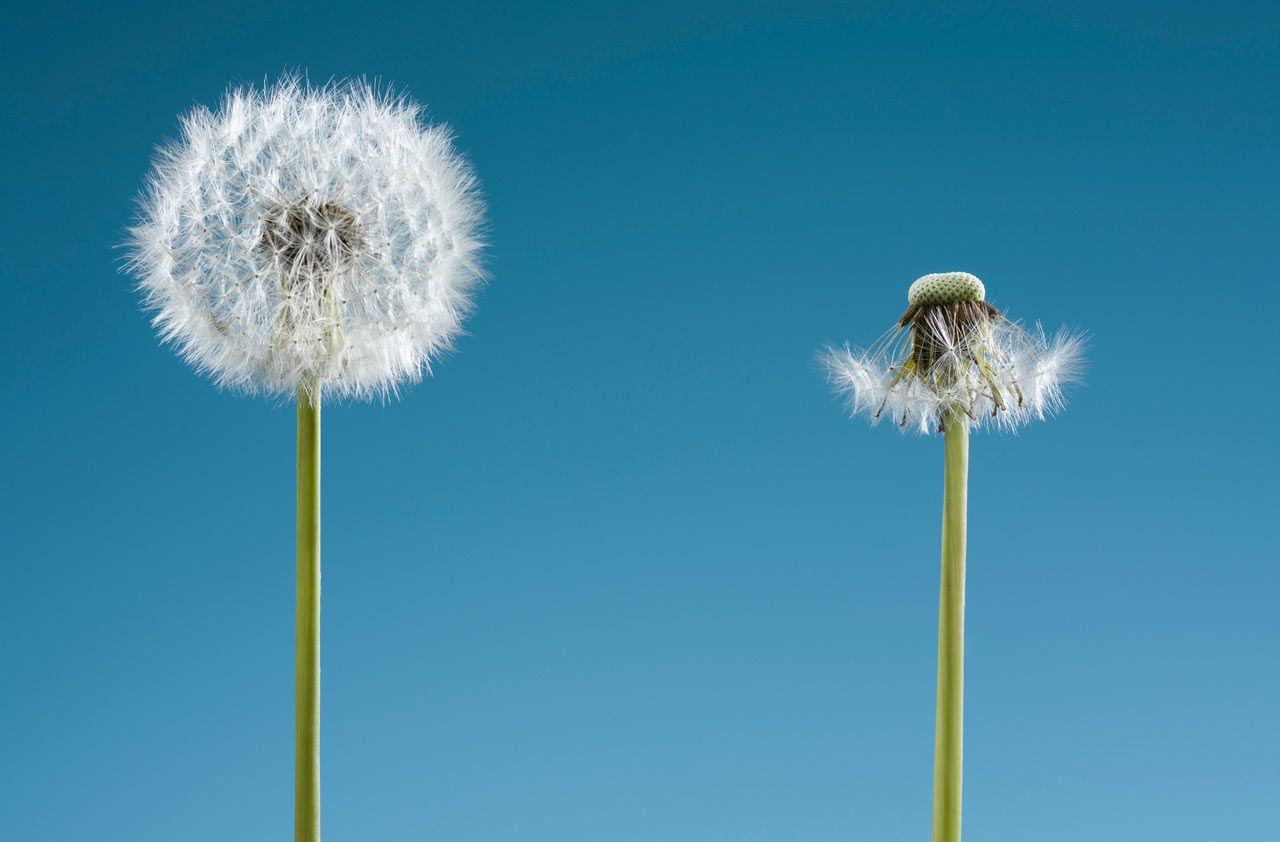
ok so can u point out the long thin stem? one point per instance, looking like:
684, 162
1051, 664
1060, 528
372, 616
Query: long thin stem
306, 751
949, 735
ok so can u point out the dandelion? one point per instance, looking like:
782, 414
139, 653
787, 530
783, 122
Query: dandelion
953, 362
309, 241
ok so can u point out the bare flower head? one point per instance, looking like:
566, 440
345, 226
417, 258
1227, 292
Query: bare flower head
950, 352
309, 238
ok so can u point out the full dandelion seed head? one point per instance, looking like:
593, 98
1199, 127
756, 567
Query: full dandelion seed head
952, 352
309, 238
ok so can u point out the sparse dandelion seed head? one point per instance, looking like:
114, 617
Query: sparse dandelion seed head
953, 352
303, 237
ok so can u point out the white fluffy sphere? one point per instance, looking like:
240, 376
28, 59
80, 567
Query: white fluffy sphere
322, 239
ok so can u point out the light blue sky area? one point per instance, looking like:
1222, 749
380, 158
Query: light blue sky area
621, 570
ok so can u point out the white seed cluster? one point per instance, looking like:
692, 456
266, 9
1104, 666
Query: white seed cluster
309, 238
945, 287
953, 353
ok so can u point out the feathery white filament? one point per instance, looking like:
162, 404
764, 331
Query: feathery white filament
1022, 380
304, 236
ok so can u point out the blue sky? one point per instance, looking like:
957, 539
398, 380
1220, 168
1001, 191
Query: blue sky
621, 569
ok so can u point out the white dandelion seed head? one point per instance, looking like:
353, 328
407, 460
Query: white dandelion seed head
952, 352
313, 238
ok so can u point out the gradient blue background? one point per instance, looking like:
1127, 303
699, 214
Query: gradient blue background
622, 570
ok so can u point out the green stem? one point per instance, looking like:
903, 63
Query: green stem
306, 751
949, 739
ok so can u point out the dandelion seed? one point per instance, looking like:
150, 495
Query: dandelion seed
951, 351
304, 237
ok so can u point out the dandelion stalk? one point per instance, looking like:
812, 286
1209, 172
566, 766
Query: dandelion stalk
949, 727
306, 753
953, 362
